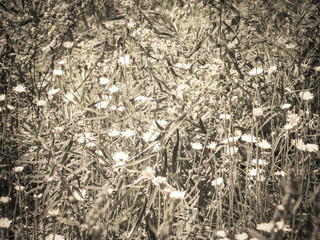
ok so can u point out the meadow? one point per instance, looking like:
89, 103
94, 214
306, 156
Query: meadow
160, 119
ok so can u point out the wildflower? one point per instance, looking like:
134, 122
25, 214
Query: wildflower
280, 173
18, 169
272, 70
257, 112
306, 95
177, 195
124, 60
159, 180
317, 69
5, 222
121, 109
55, 237
53, 91
2, 97
91, 144
120, 156
142, 99
53, 212
217, 182
68, 45
183, 65
150, 136
312, 147
241, 236
225, 116
290, 46
114, 133
255, 71
285, 106
148, 172
221, 233
196, 146
102, 104
128, 133
19, 188
267, 227
212, 145
104, 80
248, 138
41, 103
299, 145
79, 197
156, 147
113, 108
260, 162
62, 62
20, 88
264, 144
4, 199
57, 72
114, 89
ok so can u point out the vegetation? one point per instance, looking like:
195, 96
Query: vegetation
160, 119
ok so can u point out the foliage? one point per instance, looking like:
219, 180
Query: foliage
160, 120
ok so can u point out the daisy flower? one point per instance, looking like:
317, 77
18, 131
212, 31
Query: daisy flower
255, 71
5, 222
264, 144
20, 88
306, 95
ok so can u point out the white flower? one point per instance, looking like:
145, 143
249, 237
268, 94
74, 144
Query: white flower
104, 80
272, 70
4, 199
257, 112
221, 233
142, 99
2, 97
225, 116
121, 109
62, 62
280, 173
212, 145
124, 60
18, 169
241, 236
68, 45
264, 144
53, 91
19, 188
114, 89
317, 69
53, 212
312, 147
41, 103
285, 106
183, 65
57, 72
248, 138
114, 133
306, 95
159, 180
267, 227
19, 88
232, 150
217, 182
128, 133
148, 172
120, 156
5, 222
55, 237
177, 195
255, 71
260, 162
102, 104
150, 136
196, 146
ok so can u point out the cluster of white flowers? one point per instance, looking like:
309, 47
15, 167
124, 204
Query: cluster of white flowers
309, 147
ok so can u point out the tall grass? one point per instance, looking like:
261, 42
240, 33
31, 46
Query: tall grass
160, 120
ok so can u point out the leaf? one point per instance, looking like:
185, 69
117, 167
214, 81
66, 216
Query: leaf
202, 126
175, 154
139, 219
